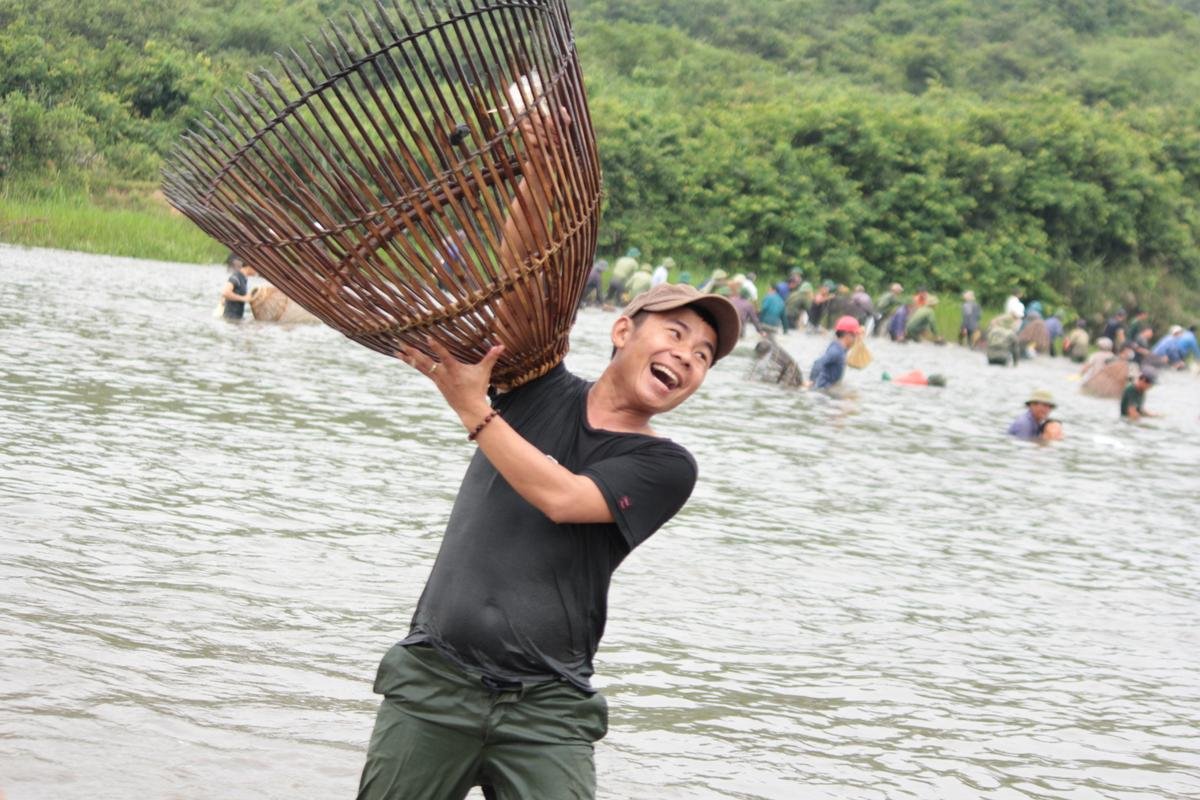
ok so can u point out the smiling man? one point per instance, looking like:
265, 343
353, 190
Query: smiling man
492, 685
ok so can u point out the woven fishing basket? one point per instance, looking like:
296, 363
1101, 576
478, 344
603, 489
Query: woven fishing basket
268, 304
1035, 333
1108, 381
431, 174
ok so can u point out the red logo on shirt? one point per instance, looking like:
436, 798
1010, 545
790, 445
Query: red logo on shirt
624, 503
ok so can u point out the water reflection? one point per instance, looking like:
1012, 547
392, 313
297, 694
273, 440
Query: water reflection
212, 532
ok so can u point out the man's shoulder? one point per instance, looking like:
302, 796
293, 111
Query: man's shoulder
543, 399
556, 383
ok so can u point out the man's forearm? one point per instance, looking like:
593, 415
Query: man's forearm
562, 495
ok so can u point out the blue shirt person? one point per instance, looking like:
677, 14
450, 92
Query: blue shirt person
772, 311
1037, 410
785, 287
1177, 345
831, 366
1187, 344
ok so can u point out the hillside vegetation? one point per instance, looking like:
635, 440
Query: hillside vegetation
1051, 145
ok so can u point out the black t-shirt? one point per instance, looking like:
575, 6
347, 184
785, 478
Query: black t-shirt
516, 597
1132, 398
234, 309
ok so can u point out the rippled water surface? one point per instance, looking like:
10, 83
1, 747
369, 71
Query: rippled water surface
212, 532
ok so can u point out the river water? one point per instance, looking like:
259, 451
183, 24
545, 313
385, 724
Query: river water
212, 532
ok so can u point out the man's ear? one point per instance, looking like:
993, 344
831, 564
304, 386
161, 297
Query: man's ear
622, 329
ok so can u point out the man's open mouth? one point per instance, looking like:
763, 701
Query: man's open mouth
665, 375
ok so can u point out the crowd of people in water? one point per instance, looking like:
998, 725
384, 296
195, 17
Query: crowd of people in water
1119, 356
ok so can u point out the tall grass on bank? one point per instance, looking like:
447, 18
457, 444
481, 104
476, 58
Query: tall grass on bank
120, 222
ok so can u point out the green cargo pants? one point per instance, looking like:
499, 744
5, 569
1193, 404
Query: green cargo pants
441, 731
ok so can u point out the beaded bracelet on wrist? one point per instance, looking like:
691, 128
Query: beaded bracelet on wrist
491, 416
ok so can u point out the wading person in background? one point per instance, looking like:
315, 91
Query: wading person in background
968, 330
592, 290
886, 305
1037, 411
828, 370
1075, 346
1133, 399
236, 292
492, 685
1002, 346
622, 271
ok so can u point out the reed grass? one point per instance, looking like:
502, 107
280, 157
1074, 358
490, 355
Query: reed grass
120, 220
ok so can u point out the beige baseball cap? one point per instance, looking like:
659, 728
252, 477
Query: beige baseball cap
667, 296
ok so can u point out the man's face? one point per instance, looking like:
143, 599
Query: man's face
1143, 384
1041, 411
664, 358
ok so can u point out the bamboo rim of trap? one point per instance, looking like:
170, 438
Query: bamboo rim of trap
373, 185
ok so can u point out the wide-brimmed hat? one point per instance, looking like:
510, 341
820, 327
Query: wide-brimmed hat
1041, 396
668, 296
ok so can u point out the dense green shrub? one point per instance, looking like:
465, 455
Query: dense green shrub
953, 143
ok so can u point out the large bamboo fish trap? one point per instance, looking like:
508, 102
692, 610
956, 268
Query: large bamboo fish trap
268, 304
432, 173
1107, 381
1036, 334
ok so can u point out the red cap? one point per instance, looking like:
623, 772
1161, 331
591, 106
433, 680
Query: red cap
847, 324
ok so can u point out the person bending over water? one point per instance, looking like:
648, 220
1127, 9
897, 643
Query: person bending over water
773, 364
1133, 399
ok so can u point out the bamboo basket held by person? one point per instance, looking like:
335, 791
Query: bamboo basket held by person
430, 177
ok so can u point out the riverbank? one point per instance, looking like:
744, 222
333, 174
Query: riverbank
131, 220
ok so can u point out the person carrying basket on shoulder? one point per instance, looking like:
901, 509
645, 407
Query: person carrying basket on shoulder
492, 685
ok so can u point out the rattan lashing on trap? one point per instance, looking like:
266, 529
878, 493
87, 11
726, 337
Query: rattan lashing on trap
374, 183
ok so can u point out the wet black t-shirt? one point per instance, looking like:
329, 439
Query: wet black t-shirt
518, 598
235, 309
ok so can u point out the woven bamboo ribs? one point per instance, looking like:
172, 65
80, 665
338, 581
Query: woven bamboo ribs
433, 173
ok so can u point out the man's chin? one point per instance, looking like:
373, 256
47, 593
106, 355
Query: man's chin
662, 402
